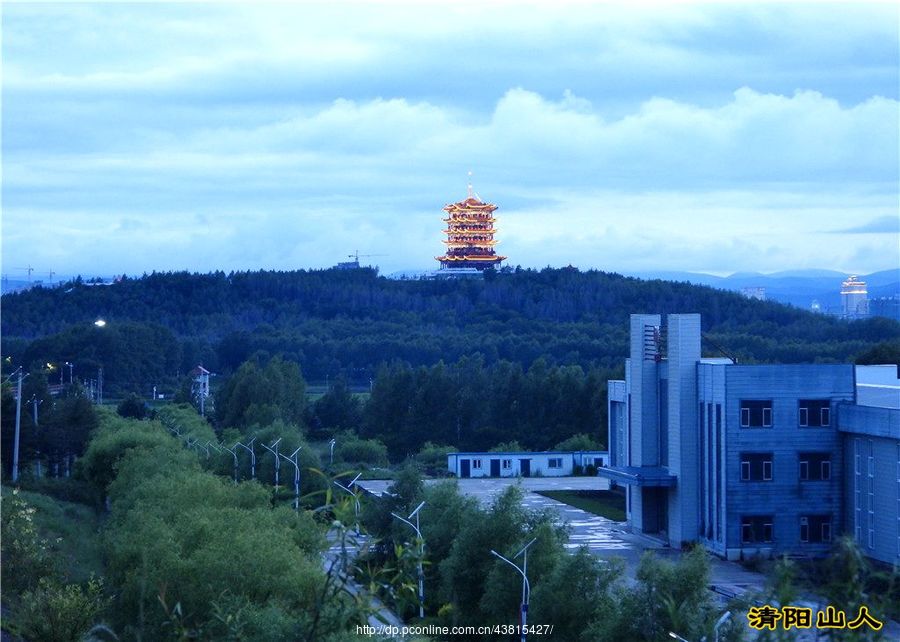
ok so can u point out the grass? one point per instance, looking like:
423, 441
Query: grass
604, 503
76, 526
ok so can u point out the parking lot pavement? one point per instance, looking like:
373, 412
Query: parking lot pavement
600, 535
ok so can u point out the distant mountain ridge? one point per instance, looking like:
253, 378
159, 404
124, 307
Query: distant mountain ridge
795, 287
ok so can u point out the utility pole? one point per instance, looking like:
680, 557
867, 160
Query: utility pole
35, 403
100, 385
15, 467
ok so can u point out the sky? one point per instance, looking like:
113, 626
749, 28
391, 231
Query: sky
714, 138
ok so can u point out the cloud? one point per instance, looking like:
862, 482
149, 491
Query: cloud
720, 138
889, 224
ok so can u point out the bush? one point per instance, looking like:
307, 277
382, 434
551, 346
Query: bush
433, 458
351, 449
27, 557
59, 613
581, 441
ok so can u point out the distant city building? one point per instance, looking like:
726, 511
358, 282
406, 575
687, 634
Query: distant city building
524, 464
854, 299
470, 235
754, 293
753, 459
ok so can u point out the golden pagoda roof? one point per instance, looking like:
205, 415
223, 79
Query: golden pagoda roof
471, 257
490, 243
469, 205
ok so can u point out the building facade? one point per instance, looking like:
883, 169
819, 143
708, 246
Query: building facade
524, 464
747, 459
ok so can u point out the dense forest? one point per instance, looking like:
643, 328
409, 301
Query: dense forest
350, 323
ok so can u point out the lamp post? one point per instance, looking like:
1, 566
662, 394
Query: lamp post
355, 498
249, 447
331, 448
675, 636
293, 460
71, 372
421, 542
234, 455
274, 450
722, 620
526, 586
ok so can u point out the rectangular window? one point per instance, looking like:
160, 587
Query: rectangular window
756, 413
815, 529
815, 466
476, 464
555, 462
507, 464
756, 466
814, 413
756, 529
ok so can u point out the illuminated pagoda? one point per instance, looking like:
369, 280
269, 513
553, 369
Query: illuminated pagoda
470, 235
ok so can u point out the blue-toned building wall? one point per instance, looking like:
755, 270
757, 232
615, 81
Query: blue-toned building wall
871, 445
681, 415
786, 497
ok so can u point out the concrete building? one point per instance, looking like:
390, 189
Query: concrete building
524, 464
747, 459
854, 299
870, 429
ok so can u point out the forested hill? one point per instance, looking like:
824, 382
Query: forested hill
348, 322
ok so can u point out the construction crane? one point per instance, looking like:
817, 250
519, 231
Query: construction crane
354, 264
355, 256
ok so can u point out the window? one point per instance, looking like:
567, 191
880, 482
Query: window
815, 413
476, 464
507, 464
756, 466
815, 529
815, 466
756, 414
756, 529
554, 462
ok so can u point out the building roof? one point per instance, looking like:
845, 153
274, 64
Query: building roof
647, 476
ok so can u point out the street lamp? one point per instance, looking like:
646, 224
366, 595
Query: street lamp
722, 620
675, 636
421, 542
331, 446
234, 455
274, 450
71, 368
293, 460
526, 586
249, 447
355, 497
100, 323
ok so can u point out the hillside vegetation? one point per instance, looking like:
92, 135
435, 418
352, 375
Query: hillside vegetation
349, 322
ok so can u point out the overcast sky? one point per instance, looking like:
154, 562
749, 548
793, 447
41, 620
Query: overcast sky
716, 138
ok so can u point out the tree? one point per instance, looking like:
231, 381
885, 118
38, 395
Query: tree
67, 430
262, 395
132, 407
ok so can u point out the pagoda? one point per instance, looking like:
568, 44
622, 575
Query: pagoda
470, 235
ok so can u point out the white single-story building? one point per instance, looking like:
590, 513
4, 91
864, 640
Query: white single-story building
524, 464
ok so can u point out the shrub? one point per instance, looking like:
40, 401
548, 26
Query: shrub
59, 613
27, 557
